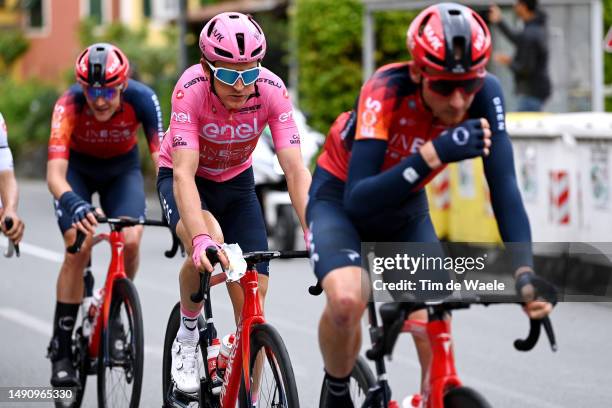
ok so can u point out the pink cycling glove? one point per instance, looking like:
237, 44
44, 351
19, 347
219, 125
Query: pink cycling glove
200, 243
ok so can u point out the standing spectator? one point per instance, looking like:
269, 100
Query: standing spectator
530, 62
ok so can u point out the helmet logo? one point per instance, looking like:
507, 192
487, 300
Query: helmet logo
480, 39
433, 39
114, 66
218, 36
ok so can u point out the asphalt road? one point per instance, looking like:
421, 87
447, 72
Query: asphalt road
578, 375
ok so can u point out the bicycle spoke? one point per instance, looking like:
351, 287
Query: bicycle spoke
271, 392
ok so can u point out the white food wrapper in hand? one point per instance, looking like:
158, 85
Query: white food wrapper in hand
237, 264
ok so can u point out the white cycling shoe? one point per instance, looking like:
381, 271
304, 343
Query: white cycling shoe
185, 366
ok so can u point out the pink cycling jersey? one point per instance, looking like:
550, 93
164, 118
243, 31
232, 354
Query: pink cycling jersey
226, 139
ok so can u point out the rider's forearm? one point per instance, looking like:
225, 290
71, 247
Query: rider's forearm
155, 158
9, 193
369, 191
188, 202
56, 177
298, 183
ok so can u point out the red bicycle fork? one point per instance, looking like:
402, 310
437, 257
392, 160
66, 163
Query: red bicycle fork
116, 270
239, 358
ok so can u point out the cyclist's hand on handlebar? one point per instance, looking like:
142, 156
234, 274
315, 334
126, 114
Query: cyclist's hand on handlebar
539, 295
538, 309
471, 138
15, 232
203, 264
81, 212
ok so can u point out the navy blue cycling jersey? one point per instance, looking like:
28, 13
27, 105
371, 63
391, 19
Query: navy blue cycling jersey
375, 151
75, 128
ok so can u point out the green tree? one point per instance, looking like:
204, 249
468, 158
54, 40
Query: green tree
329, 38
13, 45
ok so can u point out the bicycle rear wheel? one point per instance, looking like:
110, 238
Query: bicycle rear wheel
361, 381
275, 382
464, 397
120, 367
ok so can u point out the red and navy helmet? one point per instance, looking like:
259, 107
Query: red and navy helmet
450, 38
102, 65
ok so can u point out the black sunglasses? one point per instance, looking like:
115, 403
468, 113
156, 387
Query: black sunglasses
446, 87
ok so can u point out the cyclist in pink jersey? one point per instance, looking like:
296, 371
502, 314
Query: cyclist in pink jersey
205, 182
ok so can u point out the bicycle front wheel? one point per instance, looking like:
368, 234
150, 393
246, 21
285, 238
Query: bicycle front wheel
121, 352
464, 397
272, 382
361, 381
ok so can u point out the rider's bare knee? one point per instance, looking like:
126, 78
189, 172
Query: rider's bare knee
346, 309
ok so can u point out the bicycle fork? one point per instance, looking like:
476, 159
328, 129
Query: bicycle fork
380, 394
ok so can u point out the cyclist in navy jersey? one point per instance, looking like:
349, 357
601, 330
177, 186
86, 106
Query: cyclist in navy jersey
93, 148
412, 118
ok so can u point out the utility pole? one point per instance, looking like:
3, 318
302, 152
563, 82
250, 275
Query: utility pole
182, 23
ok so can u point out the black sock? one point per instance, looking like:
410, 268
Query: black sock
63, 324
338, 395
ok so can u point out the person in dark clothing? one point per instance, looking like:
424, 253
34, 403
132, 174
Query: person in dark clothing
530, 62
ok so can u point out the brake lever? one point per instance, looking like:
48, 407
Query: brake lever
212, 255
550, 333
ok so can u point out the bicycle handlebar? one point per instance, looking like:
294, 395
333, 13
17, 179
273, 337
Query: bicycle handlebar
13, 248
393, 323
118, 224
251, 258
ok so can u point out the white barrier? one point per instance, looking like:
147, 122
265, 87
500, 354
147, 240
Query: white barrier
563, 169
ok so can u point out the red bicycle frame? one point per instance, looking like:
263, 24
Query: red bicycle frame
116, 270
441, 374
239, 358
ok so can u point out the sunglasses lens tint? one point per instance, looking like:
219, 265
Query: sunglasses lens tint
447, 87
249, 76
227, 76
106, 93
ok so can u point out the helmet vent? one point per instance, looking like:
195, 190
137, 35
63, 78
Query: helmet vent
256, 51
234, 16
120, 58
424, 24
210, 28
223, 53
255, 24
240, 41
458, 48
435, 60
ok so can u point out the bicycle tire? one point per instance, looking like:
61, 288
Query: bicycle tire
284, 230
363, 381
172, 327
464, 397
264, 336
124, 293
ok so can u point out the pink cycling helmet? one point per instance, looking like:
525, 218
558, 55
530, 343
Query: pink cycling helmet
232, 37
